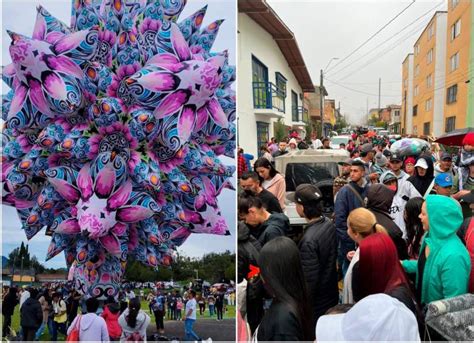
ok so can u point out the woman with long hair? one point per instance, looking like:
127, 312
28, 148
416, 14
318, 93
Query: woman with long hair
265, 152
289, 317
134, 322
413, 226
361, 223
379, 271
272, 180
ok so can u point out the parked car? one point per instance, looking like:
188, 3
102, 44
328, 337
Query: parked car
318, 167
335, 141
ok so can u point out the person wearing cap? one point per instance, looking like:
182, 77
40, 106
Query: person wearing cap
341, 180
410, 166
444, 165
404, 191
250, 183
265, 226
377, 318
443, 266
318, 249
367, 154
442, 184
380, 165
350, 197
423, 180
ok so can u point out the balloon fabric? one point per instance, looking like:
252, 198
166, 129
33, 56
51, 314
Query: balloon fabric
114, 128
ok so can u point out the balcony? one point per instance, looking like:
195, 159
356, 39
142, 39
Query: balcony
299, 116
268, 100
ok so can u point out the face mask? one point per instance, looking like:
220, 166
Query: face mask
392, 188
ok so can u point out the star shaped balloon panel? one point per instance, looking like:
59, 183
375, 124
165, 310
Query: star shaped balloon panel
114, 126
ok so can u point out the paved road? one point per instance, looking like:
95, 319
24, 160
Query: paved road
205, 328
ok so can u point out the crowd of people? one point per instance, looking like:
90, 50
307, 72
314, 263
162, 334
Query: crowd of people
62, 310
401, 237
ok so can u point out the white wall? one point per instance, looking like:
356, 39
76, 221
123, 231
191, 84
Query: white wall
439, 74
409, 100
253, 40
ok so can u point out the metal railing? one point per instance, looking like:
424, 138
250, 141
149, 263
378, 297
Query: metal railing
267, 95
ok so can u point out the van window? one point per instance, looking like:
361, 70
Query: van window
298, 173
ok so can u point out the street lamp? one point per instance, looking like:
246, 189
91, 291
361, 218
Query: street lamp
321, 95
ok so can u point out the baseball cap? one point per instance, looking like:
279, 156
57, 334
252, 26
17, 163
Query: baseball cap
346, 161
377, 317
446, 156
444, 180
395, 157
304, 193
421, 163
367, 147
387, 176
380, 160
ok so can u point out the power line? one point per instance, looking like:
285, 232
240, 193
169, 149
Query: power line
359, 91
394, 35
375, 34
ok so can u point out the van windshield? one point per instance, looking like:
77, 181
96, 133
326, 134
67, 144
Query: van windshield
298, 173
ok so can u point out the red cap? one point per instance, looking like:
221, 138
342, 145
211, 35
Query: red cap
468, 139
410, 160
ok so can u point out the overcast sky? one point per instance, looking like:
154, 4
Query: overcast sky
333, 29
19, 16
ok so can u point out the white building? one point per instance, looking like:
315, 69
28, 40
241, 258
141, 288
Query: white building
272, 75
407, 94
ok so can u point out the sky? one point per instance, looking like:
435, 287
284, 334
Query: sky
334, 29
19, 16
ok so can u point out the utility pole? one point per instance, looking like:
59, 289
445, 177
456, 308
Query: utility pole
321, 103
380, 86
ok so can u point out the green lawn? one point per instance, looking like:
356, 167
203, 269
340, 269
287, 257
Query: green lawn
230, 313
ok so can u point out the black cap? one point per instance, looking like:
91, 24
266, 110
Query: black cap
347, 161
446, 156
395, 157
304, 193
367, 147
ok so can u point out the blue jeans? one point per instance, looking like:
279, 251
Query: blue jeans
58, 327
211, 310
189, 334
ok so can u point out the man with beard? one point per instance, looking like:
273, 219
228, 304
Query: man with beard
250, 183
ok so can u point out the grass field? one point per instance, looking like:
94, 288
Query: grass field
230, 313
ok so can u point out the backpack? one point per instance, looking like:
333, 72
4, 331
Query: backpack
157, 305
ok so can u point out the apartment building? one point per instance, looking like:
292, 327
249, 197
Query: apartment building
272, 76
407, 95
429, 77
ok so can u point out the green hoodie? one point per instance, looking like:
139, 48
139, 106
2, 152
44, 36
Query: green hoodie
448, 266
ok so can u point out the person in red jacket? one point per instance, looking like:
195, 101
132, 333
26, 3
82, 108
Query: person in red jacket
111, 315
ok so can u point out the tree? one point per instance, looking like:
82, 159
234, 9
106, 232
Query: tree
280, 130
341, 123
16, 255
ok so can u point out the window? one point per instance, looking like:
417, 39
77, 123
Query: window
416, 90
426, 128
452, 94
456, 29
294, 106
260, 85
430, 32
429, 56
415, 110
417, 70
450, 124
417, 49
280, 81
454, 61
454, 3
429, 81
428, 105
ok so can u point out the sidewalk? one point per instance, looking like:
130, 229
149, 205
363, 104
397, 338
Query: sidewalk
205, 328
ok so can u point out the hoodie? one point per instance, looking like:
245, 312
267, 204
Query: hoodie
276, 225
143, 320
111, 319
379, 202
91, 328
422, 183
448, 265
405, 191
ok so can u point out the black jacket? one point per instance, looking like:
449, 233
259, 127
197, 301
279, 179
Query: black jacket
248, 248
318, 250
8, 305
379, 201
269, 201
279, 324
275, 226
31, 314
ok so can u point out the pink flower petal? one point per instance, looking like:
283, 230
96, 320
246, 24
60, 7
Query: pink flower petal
171, 103
163, 59
217, 113
69, 227
54, 85
70, 41
105, 182
66, 190
186, 122
159, 81
84, 182
37, 97
201, 118
63, 64
111, 244
119, 229
180, 45
132, 214
18, 100
120, 197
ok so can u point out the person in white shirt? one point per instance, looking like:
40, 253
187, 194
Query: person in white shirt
190, 317
25, 294
316, 142
130, 294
